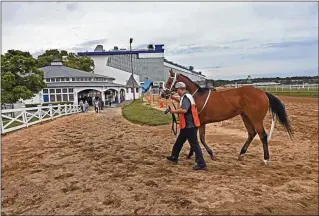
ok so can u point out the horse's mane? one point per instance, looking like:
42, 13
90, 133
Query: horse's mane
201, 90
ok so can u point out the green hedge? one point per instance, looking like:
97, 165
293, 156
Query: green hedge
47, 104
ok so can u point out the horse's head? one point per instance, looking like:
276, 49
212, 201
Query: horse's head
170, 84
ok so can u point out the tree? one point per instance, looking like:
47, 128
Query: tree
71, 60
150, 47
20, 76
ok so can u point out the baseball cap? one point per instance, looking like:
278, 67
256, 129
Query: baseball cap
180, 85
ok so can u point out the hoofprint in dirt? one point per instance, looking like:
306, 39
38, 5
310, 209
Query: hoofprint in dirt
101, 164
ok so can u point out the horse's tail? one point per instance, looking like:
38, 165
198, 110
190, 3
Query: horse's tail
278, 111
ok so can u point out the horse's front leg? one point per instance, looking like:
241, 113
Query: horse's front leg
202, 139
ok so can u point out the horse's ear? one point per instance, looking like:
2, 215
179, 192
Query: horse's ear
171, 72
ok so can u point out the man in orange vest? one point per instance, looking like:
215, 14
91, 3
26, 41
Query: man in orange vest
189, 122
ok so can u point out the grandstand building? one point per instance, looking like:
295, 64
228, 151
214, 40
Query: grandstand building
147, 64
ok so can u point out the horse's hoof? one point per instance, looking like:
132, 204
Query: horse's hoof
266, 162
213, 156
241, 157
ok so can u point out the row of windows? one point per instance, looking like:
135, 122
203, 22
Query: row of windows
58, 90
58, 98
136, 90
79, 79
58, 95
123, 62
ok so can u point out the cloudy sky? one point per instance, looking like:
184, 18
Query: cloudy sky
223, 40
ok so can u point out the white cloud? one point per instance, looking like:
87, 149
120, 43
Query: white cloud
180, 26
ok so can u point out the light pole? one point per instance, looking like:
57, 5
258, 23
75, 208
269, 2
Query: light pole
131, 41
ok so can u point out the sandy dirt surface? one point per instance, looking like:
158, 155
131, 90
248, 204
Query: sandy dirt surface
102, 164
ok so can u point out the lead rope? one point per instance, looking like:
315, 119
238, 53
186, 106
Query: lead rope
174, 122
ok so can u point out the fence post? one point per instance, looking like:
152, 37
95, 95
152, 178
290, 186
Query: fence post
24, 116
75, 108
59, 109
51, 111
40, 113
65, 109
2, 130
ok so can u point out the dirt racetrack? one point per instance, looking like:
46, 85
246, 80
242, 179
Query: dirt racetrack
101, 164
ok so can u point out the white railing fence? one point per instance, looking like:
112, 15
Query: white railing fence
281, 87
25, 117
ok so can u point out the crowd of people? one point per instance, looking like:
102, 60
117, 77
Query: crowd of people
98, 105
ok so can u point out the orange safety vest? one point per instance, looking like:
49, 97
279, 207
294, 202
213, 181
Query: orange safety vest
182, 121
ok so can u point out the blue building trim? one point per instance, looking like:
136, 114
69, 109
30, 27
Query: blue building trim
158, 49
119, 52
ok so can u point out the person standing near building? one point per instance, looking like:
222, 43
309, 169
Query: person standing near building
81, 105
189, 122
86, 106
96, 105
102, 105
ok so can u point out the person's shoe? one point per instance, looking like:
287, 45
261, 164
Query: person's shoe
172, 159
197, 167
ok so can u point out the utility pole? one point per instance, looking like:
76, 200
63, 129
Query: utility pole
131, 41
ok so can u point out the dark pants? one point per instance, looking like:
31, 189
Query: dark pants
189, 134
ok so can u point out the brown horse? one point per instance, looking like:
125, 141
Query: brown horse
250, 103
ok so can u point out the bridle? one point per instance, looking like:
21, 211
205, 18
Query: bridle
173, 83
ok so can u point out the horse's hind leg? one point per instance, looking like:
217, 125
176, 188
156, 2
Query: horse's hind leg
251, 134
263, 137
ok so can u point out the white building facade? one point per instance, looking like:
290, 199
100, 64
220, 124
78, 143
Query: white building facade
147, 64
71, 85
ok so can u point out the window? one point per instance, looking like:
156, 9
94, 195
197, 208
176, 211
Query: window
52, 79
45, 91
65, 97
62, 79
81, 79
58, 79
67, 79
58, 90
52, 90
52, 98
77, 79
136, 89
73, 79
70, 90
126, 90
47, 80
71, 98
65, 90
58, 97
45, 98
